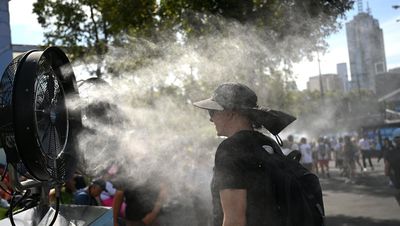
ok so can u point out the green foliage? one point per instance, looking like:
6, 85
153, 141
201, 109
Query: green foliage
95, 23
124, 15
291, 30
290, 22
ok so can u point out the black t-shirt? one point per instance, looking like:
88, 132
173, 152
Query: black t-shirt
393, 157
237, 166
139, 199
349, 151
390, 152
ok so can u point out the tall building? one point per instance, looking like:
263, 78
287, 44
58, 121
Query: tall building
330, 83
341, 70
366, 50
5, 37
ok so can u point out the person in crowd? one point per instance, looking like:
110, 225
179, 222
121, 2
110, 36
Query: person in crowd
306, 154
392, 163
357, 156
365, 149
286, 147
386, 147
293, 146
107, 195
6, 188
88, 196
143, 202
80, 181
238, 190
339, 158
330, 143
313, 145
349, 151
322, 150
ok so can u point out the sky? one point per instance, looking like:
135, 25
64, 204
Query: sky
26, 30
381, 10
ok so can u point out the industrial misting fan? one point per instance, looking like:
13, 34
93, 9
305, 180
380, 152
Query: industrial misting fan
39, 124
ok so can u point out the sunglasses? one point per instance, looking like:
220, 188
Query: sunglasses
212, 113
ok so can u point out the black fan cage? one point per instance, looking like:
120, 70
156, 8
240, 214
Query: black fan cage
50, 115
7, 136
38, 124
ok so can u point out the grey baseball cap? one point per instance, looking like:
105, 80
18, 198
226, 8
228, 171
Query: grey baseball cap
230, 96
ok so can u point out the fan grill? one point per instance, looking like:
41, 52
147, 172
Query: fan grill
7, 128
35, 123
7, 82
51, 116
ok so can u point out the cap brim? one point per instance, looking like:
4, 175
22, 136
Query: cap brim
208, 104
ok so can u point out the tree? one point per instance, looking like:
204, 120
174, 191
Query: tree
87, 27
263, 35
308, 21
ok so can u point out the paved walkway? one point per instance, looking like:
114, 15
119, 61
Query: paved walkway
368, 201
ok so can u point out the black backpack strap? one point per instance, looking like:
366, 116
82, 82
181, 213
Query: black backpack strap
277, 149
295, 155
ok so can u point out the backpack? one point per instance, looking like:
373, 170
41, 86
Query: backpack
298, 194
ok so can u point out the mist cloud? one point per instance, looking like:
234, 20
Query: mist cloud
152, 126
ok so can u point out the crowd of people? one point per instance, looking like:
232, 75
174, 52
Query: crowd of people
350, 154
132, 205
142, 205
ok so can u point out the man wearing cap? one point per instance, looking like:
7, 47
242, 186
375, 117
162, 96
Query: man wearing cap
239, 192
88, 195
392, 163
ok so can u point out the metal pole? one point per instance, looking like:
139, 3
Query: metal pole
321, 87
359, 85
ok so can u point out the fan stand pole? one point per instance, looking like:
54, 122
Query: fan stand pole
43, 207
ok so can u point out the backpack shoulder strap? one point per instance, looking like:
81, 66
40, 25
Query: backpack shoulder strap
277, 149
295, 155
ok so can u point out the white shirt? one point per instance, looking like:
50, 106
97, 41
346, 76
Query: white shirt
339, 147
364, 144
294, 147
306, 153
110, 191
